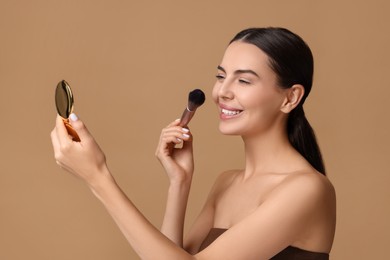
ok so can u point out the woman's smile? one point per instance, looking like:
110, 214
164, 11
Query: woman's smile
229, 112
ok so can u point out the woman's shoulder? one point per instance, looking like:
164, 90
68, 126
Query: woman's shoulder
312, 197
310, 178
309, 184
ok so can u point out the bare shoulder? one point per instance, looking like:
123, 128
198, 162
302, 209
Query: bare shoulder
309, 182
310, 188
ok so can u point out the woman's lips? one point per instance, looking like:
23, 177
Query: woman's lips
229, 112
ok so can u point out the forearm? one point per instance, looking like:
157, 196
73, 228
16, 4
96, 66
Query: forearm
173, 223
146, 240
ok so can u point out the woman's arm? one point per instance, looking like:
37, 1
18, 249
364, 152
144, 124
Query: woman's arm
146, 240
175, 210
86, 160
179, 166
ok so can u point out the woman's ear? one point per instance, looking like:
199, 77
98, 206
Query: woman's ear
293, 97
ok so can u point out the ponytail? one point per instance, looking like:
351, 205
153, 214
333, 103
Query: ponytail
303, 139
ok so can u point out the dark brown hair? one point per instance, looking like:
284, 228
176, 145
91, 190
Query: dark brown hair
292, 61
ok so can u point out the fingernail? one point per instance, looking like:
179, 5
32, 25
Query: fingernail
185, 130
177, 119
178, 139
73, 117
186, 135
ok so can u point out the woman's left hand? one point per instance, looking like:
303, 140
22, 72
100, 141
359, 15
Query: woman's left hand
84, 159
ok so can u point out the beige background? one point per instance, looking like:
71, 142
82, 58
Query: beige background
131, 65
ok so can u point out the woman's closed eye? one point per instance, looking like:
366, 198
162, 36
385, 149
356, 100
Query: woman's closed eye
220, 77
244, 81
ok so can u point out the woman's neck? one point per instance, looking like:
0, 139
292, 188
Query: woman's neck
270, 152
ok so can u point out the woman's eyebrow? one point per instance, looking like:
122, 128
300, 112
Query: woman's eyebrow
221, 68
239, 71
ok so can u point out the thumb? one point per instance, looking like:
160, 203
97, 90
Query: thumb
79, 127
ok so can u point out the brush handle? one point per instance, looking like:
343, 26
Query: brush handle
186, 117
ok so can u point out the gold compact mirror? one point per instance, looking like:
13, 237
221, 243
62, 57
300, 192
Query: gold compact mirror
64, 104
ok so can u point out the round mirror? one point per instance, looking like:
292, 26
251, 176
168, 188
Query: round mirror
64, 99
64, 104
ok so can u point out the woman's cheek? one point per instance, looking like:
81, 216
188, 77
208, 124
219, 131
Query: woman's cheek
214, 93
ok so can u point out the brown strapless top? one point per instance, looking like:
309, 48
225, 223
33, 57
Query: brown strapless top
289, 253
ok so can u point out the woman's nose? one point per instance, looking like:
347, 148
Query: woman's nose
225, 90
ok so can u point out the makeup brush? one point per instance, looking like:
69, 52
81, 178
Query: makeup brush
196, 98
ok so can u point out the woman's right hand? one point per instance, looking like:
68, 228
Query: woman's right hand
177, 162
84, 159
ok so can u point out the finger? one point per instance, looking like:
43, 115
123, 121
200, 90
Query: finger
187, 144
167, 143
171, 135
176, 139
175, 129
54, 141
80, 128
61, 132
174, 123
179, 134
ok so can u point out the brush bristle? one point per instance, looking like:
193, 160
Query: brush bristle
196, 98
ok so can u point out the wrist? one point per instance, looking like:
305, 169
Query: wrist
182, 181
179, 176
180, 188
100, 180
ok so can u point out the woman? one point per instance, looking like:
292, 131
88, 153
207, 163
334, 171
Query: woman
280, 206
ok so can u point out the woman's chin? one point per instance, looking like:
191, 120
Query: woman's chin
225, 130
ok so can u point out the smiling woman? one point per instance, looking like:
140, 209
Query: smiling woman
280, 206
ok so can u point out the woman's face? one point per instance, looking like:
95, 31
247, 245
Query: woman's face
246, 91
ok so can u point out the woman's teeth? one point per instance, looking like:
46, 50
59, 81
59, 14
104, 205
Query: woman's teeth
230, 112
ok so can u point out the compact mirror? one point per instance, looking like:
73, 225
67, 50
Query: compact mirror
64, 104
64, 99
